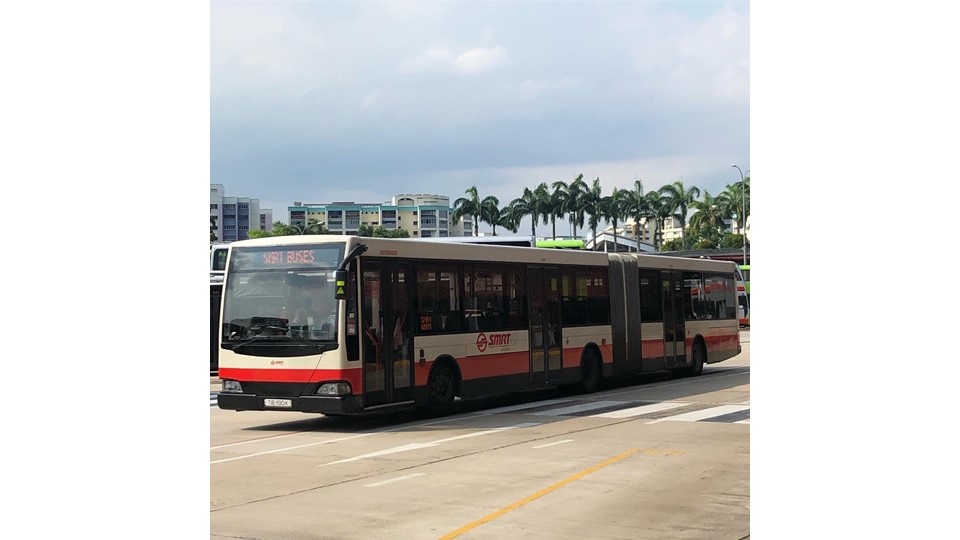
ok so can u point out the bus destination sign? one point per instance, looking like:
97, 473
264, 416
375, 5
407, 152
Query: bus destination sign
291, 257
288, 258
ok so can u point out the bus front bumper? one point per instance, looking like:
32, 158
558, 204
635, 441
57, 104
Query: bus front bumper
308, 404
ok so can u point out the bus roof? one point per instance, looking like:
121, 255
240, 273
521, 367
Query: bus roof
403, 248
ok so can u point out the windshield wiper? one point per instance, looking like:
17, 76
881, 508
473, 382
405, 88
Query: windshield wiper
288, 340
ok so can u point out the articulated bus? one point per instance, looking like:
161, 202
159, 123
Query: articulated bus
345, 324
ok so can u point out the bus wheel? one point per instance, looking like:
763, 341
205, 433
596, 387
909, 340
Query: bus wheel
592, 372
699, 358
441, 390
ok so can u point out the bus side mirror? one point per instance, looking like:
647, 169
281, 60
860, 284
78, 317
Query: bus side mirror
340, 277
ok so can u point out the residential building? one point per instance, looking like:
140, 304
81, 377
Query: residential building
421, 215
237, 216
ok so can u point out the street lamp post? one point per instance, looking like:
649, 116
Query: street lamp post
743, 219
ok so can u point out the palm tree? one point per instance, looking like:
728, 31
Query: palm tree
679, 199
637, 207
659, 210
614, 208
556, 204
542, 203
707, 214
576, 197
591, 204
510, 218
560, 200
490, 211
730, 202
468, 206
528, 204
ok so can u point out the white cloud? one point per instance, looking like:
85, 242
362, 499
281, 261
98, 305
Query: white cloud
469, 62
479, 60
435, 59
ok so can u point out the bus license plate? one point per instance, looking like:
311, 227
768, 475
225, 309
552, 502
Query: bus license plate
282, 403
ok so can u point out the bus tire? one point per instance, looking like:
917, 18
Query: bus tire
699, 354
591, 372
441, 391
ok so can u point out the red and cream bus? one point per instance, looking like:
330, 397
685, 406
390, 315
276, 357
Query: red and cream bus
346, 324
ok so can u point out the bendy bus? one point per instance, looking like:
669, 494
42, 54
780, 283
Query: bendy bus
345, 324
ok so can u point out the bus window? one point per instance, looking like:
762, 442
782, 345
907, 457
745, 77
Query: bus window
651, 306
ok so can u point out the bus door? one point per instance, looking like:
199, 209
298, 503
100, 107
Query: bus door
545, 331
674, 331
387, 335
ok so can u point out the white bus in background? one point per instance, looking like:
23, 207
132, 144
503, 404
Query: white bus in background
346, 324
218, 266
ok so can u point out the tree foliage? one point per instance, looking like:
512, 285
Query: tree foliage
381, 232
584, 204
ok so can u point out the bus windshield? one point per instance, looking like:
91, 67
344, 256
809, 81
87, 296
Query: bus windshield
282, 294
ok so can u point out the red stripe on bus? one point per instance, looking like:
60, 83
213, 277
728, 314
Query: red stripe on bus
353, 376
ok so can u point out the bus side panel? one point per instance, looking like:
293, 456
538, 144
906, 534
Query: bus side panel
722, 342
653, 353
479, 355
577, 338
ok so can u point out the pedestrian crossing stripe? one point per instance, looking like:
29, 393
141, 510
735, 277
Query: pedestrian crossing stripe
653, 411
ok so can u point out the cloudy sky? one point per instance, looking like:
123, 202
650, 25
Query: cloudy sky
357, 101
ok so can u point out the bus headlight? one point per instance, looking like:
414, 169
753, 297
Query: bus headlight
232, 386
334, 389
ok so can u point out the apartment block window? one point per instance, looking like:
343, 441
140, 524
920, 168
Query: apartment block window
353, 218
214, 206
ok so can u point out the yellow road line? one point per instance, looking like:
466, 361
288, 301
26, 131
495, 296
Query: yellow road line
541, 493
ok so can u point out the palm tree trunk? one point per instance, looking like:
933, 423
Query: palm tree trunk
615, 245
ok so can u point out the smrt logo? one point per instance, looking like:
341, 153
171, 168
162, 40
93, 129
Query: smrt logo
494, 340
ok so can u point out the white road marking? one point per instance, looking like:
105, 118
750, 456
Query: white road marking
419, 446
643, 409
747, 421
523, 406
272, 438
579, 408
702, 414
377, 484
554, 443
291, 448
